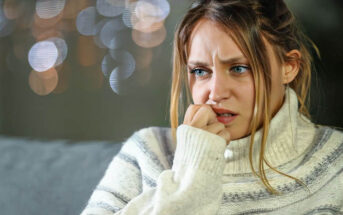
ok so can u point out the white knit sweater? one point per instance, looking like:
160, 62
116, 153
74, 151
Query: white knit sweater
203, 176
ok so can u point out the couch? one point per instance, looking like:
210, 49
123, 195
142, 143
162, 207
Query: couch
50, 176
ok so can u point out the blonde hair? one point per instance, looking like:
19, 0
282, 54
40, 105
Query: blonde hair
248, 22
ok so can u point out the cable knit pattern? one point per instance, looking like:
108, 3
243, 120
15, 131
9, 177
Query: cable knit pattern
201, 175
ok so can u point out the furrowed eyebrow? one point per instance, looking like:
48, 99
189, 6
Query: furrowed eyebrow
197, 63
227, 61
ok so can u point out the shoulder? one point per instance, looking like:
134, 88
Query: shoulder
328, 137
151, 143
327, 146
154, 136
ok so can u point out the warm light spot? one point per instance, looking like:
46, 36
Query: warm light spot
12, 8
67, 25
6, 25
46, 23
87, 52
156, 10
43, 83
42, 33
73, 7
149, 40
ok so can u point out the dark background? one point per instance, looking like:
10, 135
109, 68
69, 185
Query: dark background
88, 110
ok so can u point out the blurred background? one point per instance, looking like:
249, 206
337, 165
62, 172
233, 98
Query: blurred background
101, 69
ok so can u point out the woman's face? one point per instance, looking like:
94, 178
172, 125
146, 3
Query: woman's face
220, 75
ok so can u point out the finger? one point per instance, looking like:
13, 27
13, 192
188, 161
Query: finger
226, 135
213, 119
191, 110
203, 116
215, 128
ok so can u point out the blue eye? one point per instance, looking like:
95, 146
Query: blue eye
239, 69
198, 72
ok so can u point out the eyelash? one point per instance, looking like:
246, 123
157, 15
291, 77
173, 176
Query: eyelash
193, 71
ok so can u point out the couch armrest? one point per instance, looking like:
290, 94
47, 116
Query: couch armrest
50, 177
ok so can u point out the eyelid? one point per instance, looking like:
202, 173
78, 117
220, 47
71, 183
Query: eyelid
197, 67
247, 67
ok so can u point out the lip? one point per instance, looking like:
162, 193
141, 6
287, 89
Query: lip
224, 119
222, 110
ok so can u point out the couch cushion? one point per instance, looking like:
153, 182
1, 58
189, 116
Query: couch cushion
50, 177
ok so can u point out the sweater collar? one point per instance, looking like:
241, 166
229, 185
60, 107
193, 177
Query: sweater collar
280, 146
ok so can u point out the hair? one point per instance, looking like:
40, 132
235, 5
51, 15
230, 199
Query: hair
248, 22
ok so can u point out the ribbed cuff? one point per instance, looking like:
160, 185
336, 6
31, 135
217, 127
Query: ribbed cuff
198, 149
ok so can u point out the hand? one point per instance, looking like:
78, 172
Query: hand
203, 117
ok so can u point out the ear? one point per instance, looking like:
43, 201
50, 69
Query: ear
291, 66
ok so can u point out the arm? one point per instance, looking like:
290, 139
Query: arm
192, 186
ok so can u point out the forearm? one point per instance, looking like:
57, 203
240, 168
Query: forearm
192, 186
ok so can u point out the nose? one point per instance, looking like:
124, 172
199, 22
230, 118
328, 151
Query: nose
219, 88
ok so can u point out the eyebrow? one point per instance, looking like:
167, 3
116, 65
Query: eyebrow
227, 61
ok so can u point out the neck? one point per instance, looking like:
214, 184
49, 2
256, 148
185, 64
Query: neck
281, 146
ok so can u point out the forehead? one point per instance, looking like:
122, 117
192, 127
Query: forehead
210, 39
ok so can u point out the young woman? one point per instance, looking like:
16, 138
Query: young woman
246, 145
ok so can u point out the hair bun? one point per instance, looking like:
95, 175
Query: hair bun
273, 8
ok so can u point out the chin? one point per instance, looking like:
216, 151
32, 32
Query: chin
236, 134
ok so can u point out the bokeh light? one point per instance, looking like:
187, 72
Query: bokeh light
126, 64
127, 15
43, 55
116, 85
151, 39
110, 8
156, 10
13, 8
6, 25
62, 48
107, 65
143, 21
47, 9
43, 83
98, 42
111, 34
87, 20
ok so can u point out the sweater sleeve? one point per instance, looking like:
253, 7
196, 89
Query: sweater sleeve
192, 186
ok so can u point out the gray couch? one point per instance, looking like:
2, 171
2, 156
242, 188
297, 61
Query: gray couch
50, 177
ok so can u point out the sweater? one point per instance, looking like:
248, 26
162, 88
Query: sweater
201, 175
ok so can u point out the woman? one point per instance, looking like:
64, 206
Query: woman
246, 145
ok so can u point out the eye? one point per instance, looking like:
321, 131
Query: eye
199, 72
239, 69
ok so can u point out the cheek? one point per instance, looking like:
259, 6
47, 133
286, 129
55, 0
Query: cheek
247, 95
199, 93
245, 91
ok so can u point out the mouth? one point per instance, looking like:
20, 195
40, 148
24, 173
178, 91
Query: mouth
225, 116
